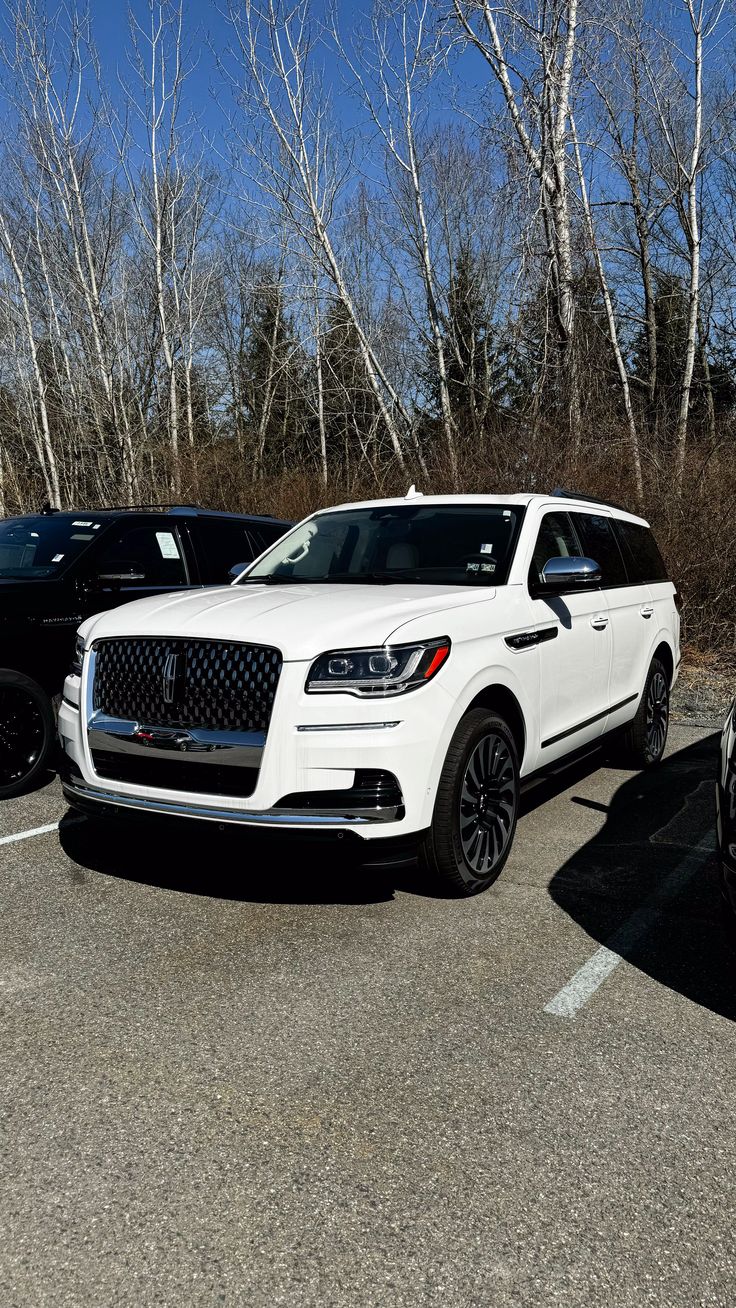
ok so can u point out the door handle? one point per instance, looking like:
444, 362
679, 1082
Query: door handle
647, 610
599, 621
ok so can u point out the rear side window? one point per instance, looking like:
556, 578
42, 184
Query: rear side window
643, 559
266, 534
222, 544
598, 540
153, 554
556, 540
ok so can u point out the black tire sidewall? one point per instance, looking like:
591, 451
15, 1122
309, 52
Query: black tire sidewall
18, 681
656, 666
473, 727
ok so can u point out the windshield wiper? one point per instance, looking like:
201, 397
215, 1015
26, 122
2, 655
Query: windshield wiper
375, 578
273, 579
353, 578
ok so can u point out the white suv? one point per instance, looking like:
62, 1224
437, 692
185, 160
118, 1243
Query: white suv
391, 669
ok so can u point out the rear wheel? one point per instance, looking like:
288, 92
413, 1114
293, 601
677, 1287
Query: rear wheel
476, 807
645, 739
27, 732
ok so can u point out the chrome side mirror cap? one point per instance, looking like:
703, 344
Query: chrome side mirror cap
570, 573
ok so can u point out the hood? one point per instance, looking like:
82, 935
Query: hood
302, 621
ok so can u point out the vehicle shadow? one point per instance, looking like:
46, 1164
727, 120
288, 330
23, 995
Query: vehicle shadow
199, 858
652, 825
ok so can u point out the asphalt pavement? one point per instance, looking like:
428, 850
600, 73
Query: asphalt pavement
247, 1072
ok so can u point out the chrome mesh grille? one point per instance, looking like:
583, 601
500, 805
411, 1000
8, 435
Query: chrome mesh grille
221, 685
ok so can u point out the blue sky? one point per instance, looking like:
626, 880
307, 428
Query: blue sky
206, 27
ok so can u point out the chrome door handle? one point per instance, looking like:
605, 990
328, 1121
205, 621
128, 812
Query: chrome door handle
647, 610
599, 621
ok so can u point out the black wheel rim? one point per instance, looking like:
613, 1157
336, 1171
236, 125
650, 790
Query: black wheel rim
487, 804
657, 715
22, 733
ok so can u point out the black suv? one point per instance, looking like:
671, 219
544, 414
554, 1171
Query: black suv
56, 569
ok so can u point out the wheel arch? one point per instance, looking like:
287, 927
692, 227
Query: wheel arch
499, 699
663, 652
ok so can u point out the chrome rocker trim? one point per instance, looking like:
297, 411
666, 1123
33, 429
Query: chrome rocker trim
79, 793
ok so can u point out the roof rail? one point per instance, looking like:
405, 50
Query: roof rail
120, 508
560, 493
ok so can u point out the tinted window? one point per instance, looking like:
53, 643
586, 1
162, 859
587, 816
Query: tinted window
432, 544
556, 540
44, 546
222, 544
599, 542
643, 559
154, 551
266, 533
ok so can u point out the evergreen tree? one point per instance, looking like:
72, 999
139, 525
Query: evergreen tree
351, 412
474, 373
713, 380
270, 373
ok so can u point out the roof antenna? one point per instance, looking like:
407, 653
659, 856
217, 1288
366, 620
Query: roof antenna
413, 493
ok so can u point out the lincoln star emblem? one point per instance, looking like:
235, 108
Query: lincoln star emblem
171, 673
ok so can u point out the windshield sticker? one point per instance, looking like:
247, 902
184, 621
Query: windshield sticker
83, 524
472, 567
167, 545
486, 549
96, 526
82, 535
488, 567
57, 558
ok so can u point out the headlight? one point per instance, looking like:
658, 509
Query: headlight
387, 670
78, 659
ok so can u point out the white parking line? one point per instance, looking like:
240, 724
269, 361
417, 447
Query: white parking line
606, 959
37, 831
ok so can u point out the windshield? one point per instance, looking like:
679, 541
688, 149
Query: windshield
433, 545
44, 546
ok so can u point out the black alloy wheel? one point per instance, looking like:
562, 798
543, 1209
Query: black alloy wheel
658, 714
487, 804
26, 732
643, 741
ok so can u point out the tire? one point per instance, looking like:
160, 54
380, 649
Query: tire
476, 806
644, 740
27, 732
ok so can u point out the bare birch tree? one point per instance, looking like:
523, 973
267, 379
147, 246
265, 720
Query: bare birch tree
294, 142
684, 139
536, 89
393, 68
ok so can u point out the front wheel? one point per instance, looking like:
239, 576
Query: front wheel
476, 806
645, 739
27, 732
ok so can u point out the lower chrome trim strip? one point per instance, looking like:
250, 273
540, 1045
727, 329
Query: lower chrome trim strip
77, 792
350, 726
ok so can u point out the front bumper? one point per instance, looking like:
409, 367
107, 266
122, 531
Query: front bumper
316, 749
94, 799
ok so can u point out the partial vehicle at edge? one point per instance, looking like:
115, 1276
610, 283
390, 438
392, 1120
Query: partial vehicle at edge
58, 568
726, 809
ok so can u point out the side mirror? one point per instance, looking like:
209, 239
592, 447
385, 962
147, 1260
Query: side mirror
235, 571
570, 574
120, 571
